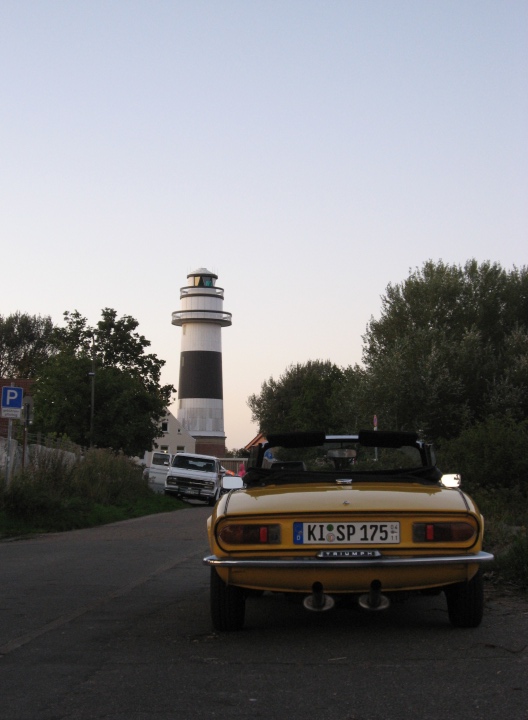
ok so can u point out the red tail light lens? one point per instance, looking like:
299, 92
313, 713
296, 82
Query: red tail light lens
250, 534
443, 532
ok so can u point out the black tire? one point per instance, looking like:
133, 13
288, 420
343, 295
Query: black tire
465, 602
228, 604
253, 593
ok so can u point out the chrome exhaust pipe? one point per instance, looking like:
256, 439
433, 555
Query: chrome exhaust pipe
374, 600
318, 601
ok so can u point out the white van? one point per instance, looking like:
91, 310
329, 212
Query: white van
194, 476
157, 472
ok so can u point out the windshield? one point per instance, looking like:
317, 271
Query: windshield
346, 456
185, 462
366, 455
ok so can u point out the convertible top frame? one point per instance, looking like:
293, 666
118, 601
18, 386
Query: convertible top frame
366, 438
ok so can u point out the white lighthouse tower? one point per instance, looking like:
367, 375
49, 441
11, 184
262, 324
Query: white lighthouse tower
200, 391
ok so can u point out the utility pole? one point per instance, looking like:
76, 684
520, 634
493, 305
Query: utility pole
92, 404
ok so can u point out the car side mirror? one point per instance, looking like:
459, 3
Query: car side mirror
232, 482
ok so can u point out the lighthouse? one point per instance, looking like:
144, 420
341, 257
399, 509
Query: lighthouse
200, 392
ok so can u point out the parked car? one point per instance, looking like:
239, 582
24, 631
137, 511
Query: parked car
196, 477
157, 471
366, 515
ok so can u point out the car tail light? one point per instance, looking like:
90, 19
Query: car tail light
443, 532
250, 534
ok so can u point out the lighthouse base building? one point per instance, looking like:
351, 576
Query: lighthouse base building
200, 405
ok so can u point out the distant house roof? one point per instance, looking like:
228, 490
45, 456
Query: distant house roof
260, 438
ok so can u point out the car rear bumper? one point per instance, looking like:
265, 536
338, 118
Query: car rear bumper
308, 563
347, 575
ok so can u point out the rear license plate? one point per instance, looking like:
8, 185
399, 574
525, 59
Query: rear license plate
351, 533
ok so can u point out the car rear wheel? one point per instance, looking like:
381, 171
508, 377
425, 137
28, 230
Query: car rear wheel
465, 602
228, 604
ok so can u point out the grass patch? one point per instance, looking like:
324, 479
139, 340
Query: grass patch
62, 491
78, 514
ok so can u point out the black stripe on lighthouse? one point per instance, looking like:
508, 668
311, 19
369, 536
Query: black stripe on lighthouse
200, 375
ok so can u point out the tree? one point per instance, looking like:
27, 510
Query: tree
115, 344
26, 342
129, 401
306, 397
449, 348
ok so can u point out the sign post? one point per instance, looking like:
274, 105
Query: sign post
11, 408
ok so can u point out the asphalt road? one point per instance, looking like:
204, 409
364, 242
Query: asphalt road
113, 623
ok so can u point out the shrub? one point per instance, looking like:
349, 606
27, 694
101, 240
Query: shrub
491, 454
55, 486
108, 479
513, 563
26, 500
492, 458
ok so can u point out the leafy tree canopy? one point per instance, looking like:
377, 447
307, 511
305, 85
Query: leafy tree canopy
114, 342
26, 342
306, 397
450, 347
129, 401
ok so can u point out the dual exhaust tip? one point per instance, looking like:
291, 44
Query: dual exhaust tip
373, 600
318, 601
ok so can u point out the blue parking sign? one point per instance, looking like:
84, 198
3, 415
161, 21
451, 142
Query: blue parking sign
12, 398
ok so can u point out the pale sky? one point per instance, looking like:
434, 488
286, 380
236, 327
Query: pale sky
310, 152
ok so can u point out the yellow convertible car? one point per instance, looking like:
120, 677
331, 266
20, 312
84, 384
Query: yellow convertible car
367, 515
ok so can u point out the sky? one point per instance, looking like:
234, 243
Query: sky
309, 152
